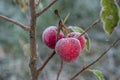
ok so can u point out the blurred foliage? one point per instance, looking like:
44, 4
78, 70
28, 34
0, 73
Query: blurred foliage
14, 63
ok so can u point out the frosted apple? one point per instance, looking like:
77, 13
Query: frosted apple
81, 39
68, 48
49, 36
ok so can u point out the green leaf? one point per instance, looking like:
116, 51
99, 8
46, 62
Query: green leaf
109, 15
87, 43
76, 29
98, 74
80, 30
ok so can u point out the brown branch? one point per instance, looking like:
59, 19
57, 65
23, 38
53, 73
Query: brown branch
46, 8
60, 69
90, 27
105, 52
33, 55
45, 63
34, 71
15, 22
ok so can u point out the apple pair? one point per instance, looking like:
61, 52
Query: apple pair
67, 47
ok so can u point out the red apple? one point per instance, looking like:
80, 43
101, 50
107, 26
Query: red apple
81, 39
68, 48
49, 36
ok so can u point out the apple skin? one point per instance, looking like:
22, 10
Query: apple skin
69, 49
81, 39
49, 36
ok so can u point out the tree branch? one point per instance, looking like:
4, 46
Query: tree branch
15, 22
33, 55
45, 63
90, 27
46, 8
105, 52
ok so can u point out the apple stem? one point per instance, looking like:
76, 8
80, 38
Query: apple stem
61, 23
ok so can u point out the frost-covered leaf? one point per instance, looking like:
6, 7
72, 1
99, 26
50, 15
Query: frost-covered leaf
80, 30
76, 29
98, 74
109, 15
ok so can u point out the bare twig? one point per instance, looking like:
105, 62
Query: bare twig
60, 69
105, 52
33, 56
45, 63
90, 26
15, 22
60, 24
47, 7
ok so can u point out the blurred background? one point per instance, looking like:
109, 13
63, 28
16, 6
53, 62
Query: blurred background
14, 41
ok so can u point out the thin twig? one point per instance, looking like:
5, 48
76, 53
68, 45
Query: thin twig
60, 25
60, 69
90, 26
15, 22
45, 63
105, 52
33, 55
46, 8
